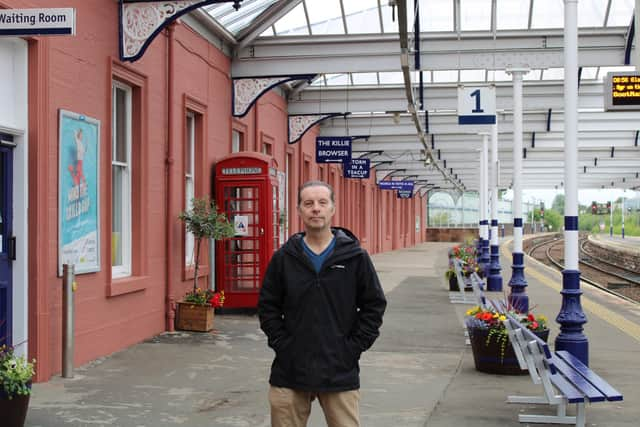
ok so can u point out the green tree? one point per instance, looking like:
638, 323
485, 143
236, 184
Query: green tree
558, 203
553, 220
204, 221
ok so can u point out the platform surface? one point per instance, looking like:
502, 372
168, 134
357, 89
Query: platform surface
419, 372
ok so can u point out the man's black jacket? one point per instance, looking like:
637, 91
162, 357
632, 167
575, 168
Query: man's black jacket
319, 323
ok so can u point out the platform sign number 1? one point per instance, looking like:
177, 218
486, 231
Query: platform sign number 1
477, 105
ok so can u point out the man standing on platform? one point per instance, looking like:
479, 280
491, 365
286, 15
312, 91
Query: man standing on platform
321, 306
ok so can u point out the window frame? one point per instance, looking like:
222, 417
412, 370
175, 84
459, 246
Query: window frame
125, 268
198, 109
189, 183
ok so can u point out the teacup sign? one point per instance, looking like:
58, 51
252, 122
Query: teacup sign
477, 105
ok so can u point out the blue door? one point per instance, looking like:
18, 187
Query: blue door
7, 243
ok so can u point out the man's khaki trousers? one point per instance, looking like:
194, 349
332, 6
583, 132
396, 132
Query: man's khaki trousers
291, 408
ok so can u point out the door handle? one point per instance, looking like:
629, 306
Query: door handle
12, 248
261, 231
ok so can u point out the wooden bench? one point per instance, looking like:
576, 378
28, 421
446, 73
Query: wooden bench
564, 378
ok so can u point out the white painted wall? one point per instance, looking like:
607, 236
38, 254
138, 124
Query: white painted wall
13, 120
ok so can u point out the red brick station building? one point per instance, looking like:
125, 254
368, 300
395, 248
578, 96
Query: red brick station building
99, 156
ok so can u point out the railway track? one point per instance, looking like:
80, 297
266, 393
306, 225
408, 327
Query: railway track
607, 276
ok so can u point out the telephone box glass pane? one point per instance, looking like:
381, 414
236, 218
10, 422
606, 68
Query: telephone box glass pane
241, 252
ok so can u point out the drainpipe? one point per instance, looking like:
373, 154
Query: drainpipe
169, 298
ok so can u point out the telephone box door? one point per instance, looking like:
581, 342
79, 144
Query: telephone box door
244, 255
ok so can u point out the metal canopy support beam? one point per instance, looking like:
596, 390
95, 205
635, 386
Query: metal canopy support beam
141, 21
539, 96
300, 124
353, 53
247, 91
446, 123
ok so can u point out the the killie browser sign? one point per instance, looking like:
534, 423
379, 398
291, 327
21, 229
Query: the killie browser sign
29, 22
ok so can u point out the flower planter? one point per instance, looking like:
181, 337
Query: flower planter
194, 317
487, 357
453, 284
13, 411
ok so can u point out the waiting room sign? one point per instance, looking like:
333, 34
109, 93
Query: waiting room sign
29, 22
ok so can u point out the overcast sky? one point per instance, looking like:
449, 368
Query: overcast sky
585, 197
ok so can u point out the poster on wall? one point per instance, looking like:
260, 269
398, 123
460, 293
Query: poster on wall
78, 184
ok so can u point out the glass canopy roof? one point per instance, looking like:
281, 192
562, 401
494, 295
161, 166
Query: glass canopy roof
276, 25
322, 17
334, 17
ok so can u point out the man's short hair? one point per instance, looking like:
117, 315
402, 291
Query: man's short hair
316, 184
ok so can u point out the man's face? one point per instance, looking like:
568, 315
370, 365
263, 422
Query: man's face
316, 208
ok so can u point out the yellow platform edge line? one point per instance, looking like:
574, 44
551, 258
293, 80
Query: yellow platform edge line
617, 321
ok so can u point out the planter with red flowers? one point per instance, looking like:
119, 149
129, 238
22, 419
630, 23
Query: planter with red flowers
196, 311
466, 253
492, 349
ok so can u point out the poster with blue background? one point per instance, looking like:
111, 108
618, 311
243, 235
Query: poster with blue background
79, 204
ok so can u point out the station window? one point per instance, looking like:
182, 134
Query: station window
237, 141
306, 169
189, 181
121, 177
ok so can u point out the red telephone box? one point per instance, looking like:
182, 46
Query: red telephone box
246, 190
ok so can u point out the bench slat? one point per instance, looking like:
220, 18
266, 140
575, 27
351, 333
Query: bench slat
573, 395
609, 392
577, 380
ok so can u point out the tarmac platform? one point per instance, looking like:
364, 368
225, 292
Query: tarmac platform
420, 372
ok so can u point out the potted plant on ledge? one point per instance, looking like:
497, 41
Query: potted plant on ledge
16, 373
195, 311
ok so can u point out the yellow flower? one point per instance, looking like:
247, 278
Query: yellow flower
502, 318
473, 310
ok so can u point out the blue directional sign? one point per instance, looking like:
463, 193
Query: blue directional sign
404, 194
396, 185
357, 168
333, 149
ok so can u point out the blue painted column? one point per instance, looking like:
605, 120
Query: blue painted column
518, 297
571, 316
484, 260
494, 280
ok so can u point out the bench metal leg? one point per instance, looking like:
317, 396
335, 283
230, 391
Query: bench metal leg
546, 419
561, 416
537, 400
580, 415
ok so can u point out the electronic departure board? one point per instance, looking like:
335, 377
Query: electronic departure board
622, 91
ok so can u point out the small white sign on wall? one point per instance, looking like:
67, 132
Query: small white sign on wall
477, 105
241, 225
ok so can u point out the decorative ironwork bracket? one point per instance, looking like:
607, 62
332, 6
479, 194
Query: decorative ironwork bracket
299, 124
247, 90
140, 21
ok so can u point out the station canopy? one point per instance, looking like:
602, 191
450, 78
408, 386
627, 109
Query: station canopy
363, 56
